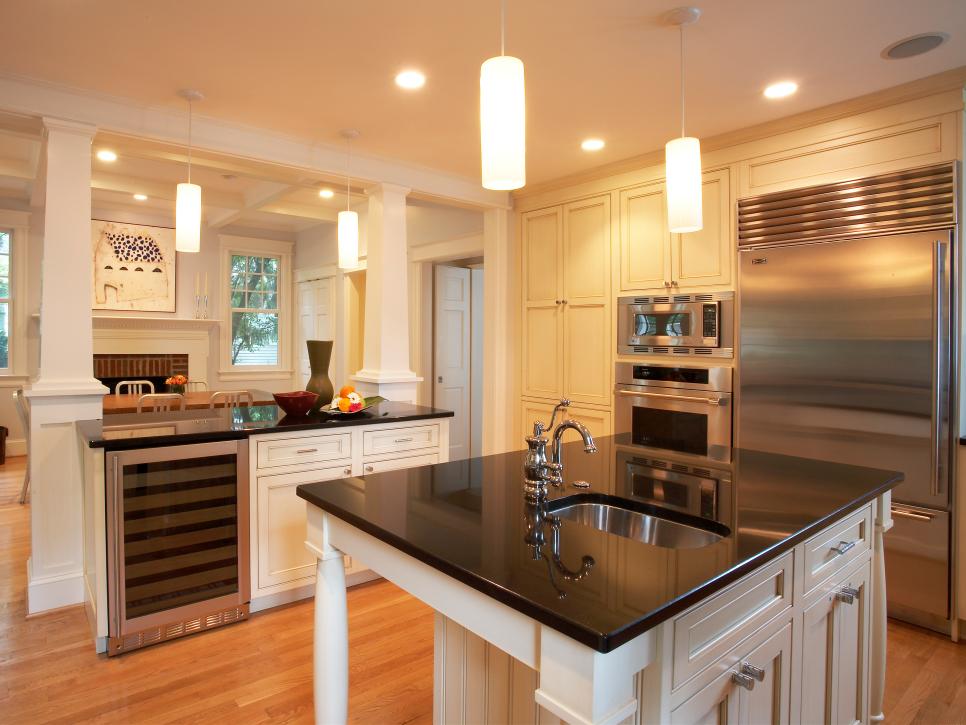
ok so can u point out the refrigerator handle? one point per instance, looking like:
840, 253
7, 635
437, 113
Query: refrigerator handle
938, 273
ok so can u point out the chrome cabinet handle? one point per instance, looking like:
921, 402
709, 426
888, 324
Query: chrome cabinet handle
348, 470
756, 673
665, 396
403, 440
370, 469
307, 450
743, 681
843, 547
847, 595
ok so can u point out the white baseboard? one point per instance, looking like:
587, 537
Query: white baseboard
53, 592
306, 591
16, 447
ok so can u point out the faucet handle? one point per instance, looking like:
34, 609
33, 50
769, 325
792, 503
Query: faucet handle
538, 428
562, 405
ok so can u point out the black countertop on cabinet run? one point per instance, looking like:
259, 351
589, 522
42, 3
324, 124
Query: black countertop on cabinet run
149, 430
468, 519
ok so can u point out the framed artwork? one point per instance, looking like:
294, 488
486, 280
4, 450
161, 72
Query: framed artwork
134, 267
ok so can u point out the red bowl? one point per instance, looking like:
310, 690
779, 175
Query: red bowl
296, 404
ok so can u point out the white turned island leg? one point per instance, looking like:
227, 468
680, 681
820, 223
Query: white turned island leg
877, 648
330, 644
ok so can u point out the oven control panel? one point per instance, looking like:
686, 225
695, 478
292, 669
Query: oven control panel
710, 322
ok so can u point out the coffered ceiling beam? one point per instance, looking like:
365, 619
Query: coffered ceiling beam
255, 198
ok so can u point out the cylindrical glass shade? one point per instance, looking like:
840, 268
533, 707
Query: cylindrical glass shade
503, 123
348, 240
187, 218
682, 158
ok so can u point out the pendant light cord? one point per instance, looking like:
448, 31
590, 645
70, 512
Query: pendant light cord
682, 79
348, 169
503, 27
189, 140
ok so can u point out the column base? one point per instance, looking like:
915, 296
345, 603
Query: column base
53, 592
397, 386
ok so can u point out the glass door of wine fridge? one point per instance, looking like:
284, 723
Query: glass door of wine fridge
178, 544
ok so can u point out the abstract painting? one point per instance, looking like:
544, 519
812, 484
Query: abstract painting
134, 267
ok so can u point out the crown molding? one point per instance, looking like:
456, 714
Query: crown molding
953, 80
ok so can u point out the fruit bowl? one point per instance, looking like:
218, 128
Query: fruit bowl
297, 404
366, 404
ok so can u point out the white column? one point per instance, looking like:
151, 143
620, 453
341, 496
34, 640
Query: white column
65, 390
385, 370
498, 349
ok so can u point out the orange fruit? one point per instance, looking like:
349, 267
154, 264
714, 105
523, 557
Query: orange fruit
344, 405
346, 389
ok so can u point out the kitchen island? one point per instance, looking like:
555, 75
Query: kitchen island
192, 516
761, 609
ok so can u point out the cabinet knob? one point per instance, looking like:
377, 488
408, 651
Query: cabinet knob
557, 302
743, 681
563, 302
370, 469
674, 283
348, 470
754, 672
667, 283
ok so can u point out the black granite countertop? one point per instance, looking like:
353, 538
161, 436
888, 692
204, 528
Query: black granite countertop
469, 520
150, 430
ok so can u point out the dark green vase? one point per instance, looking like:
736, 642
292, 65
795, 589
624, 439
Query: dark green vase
320, 353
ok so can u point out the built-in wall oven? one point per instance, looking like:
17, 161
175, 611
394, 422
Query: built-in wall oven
677, 410
687, 324
177, 541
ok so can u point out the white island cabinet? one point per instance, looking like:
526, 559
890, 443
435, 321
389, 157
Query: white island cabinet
282, 569
790, 641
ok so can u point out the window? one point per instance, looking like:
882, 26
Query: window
254, 310
4, 301
255, 294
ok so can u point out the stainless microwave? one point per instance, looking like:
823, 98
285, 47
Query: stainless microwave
699, 324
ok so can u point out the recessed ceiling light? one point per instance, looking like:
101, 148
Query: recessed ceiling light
141, 197
410, 80
782, 89
592, 144
106, 155
326, 193
915, 45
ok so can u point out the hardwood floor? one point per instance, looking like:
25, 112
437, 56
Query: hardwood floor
260, 671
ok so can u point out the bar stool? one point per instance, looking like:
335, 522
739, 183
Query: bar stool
232, 398
162, 402
193, 385
134, 387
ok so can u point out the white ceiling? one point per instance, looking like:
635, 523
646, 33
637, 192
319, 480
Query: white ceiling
606, 68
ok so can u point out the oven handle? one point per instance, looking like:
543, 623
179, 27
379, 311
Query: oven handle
665, 396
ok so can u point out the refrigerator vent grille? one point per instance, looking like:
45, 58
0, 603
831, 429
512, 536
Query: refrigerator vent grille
904, 201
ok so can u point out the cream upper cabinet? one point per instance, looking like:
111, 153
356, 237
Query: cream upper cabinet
645, 262
705, 258
542, 310
654, 260
566, 299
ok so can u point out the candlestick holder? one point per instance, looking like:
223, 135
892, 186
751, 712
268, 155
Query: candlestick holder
197, 307
204, 311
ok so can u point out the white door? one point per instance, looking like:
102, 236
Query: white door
315, 320
451, 355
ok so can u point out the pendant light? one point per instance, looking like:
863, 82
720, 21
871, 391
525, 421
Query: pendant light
348, 219
682, 156
503, 118
187, 208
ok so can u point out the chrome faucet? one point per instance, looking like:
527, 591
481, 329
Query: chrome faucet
538, 470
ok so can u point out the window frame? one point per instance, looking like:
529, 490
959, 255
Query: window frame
17, 225
251, 247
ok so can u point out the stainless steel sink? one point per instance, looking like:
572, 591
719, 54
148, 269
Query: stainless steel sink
639, 526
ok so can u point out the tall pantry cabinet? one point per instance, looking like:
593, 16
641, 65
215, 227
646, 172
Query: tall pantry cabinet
567, 322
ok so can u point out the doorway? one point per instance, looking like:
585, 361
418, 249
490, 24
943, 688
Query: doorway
458, 352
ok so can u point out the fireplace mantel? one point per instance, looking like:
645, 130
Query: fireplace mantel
141, 322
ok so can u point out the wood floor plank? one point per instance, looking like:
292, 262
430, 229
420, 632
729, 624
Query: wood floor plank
260, 671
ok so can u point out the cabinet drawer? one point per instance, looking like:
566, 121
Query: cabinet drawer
394, 464
399, 440
704, 633
835, 548
311, 449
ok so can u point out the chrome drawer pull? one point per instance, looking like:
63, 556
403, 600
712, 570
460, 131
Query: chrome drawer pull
754, 672
370, 469
847, 595
403, 440
348, 470
843, 547
743, 681
307, 450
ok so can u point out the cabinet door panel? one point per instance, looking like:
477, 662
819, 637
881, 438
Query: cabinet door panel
852, 621
542, 311
818, 657
645, 241
587, 362
769, 701
705, 258
586, 257
715, 704
592, 467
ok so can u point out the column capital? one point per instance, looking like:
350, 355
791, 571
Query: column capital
67, 126
387, 188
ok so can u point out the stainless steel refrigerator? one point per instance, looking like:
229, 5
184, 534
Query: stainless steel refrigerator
846, 354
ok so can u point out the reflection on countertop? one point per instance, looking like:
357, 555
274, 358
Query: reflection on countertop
469, 520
